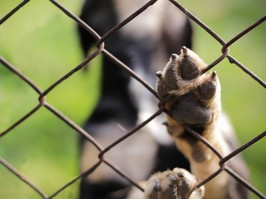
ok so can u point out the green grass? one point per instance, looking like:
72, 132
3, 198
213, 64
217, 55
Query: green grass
42, 43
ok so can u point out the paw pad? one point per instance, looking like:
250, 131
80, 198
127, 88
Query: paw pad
191, 94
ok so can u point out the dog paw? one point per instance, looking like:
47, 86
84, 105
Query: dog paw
190, 96
173, 184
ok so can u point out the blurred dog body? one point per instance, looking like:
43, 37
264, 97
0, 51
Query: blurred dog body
144, 44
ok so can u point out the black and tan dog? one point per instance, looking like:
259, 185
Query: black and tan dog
145, 44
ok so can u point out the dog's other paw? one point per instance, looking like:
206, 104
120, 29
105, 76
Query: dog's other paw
173, 184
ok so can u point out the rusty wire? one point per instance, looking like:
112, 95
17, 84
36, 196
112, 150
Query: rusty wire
101, 50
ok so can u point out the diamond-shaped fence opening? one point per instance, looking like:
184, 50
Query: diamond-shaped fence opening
45, 96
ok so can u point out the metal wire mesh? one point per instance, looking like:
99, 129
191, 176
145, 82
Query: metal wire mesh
101, 50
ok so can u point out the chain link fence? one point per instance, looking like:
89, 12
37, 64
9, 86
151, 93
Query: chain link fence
100, 49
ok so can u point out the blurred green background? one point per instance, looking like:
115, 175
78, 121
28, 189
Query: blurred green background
41, 42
